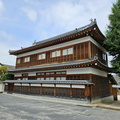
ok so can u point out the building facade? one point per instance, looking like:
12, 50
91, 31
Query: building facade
75, 62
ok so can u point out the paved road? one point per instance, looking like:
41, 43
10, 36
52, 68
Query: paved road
17, 108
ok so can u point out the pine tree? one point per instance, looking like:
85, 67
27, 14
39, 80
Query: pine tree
112, 42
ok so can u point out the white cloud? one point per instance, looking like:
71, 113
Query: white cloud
4, 54
68, 14
6, 36
31, 14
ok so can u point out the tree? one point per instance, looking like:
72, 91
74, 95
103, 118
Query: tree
112, 42
3, 70
7, 76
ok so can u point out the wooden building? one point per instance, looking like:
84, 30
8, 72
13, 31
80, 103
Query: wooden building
72, 64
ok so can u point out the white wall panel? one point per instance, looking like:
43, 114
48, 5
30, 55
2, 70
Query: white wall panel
87, 70
78, 86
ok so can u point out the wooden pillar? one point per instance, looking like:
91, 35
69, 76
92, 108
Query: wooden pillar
54, 89
88, 92
89, 50
70, 90
10, 87
115, 94
21, 88
29, 88
110, 88
41, 89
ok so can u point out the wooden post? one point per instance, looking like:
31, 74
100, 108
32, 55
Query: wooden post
41, 89
115, 94
70, 90
88, 93
89, 50
29, 88
54, 89
21, 88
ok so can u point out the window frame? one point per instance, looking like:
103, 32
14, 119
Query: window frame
27, 59
67, 52
55, 53
42, 58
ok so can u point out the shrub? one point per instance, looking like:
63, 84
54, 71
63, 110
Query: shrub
7, 76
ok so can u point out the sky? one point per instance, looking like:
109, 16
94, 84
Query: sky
24, 21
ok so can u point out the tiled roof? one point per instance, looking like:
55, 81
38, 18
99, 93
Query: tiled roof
81, 82
55, 65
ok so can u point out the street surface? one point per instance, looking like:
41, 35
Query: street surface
18, 108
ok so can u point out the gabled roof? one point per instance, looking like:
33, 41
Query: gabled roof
88, 30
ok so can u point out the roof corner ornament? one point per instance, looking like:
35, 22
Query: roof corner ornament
76, 29
34, 43
93, 20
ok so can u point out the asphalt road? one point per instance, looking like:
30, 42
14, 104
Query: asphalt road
17, 108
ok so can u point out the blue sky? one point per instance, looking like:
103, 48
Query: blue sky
23, 21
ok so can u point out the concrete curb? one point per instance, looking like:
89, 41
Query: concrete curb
108, 107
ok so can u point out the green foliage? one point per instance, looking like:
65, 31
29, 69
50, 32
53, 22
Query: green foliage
7, 76
112, 42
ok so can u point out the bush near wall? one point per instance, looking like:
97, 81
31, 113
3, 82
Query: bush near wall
7, 76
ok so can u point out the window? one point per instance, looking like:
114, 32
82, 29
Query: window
40, 73
25, 74
18, 61
60, 78
58, 72
49, 78
42, 78
64, 52
56, 53
67, 51
70, 50
104, 56
26, 59
51, 73
25, 79
63, 72
41, 56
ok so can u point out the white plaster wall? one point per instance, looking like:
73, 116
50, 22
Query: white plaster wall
67, 86
78, 86
48, 85
87, 70
2, 87
80, 40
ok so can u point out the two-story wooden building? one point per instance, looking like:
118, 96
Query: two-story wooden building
71, 64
